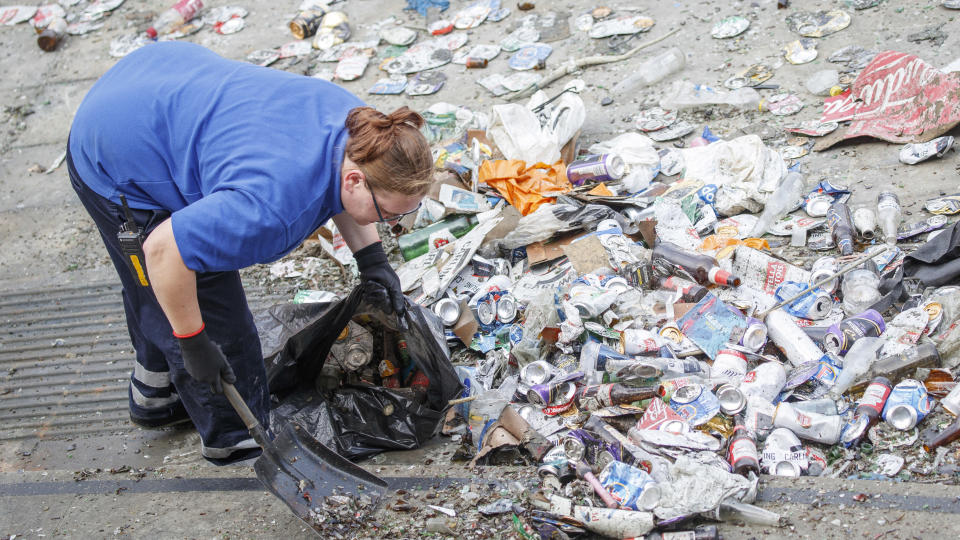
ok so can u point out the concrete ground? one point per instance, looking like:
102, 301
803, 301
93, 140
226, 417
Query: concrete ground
62, 484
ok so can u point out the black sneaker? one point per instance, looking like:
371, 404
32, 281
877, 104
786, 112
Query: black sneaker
179, 417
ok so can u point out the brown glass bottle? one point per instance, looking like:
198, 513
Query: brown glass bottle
742, 452
947, 436
597, 396
672, 259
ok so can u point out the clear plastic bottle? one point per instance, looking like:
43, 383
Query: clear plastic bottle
688, 95
782, 200
181, 12
856, 364
889, 215
654, 70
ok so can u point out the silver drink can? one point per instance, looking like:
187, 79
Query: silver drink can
783, 454
766, 381
448, 310
794, 342
732, 400
507, 308
823, 267
599, 167
755, 335
539, 372
729, 363
807, 425
486, 311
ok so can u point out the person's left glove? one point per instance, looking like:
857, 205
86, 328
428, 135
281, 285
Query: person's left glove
374, 266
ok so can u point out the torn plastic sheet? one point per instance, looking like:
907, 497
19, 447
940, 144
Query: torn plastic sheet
357, 421
937, 262
698, 487
897, 98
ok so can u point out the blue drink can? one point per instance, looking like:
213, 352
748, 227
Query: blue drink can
907, 405
630, 486
695, 403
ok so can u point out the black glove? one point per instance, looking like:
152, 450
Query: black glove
373, 265
205, 361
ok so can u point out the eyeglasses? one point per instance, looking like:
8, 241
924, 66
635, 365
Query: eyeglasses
394, 217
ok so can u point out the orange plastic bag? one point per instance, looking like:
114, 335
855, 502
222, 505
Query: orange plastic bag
526, 188
714, 242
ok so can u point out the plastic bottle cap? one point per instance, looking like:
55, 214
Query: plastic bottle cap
152, 33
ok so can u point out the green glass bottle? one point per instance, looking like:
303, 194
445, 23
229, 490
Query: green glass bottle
448, 229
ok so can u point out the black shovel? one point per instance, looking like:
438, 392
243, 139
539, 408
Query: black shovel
298, 469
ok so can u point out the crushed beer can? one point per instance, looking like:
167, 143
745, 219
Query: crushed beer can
729, 363
812, 426
765, 381
599, 168
630, 486
730, 27
947, 205
530, 57
426, 83
814, 305
794, 342
732, 401
392, 85
932, 223
654, 119
841, 336
695, 403
822, 268
914, 153
783, 454
907, 404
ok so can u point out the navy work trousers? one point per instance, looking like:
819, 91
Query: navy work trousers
160, 387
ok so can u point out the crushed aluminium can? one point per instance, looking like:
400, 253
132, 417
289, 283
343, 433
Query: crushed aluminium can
823, 267
842, 335
814, 305
932, 223
630, 486
816, 427
755, 335
729, 363
694, 403
765, 381
600, 168
907, 405
732, 401
914, 153
947, 205
783, 454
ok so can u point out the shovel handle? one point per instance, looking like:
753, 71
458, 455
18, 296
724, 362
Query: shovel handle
240, 406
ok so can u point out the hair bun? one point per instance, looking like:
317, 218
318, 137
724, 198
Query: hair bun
405, 115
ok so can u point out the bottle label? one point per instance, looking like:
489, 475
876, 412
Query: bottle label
441, 238
875, 396
679, 535
741, 449
888, 201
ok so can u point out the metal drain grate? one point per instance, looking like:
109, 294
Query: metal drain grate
65, 359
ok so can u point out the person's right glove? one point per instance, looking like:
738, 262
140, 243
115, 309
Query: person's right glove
205, 361
374, 266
